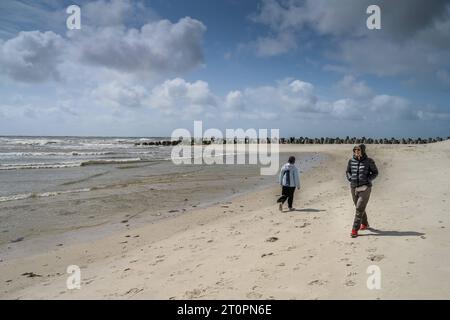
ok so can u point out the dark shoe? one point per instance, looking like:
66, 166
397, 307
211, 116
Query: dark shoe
280, 207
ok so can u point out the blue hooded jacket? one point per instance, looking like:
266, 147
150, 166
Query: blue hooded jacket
289, 176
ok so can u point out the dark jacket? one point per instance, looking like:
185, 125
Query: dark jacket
361, 172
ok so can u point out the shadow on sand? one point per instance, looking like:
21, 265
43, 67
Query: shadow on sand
305, 210
376, 232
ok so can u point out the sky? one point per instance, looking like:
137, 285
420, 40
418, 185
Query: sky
305, 67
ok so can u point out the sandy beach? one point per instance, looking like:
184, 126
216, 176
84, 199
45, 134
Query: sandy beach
244, 248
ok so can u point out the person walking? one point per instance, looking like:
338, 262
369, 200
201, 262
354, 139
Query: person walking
289, 180
361, 171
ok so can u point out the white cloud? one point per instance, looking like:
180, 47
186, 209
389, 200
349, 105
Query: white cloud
387, 107
347, 109
158, 48
111, 13
296, 99
235, 101
275, 45
32, 56
289, 96
429, 115
118, 95
413, 39
182, 98
353, 88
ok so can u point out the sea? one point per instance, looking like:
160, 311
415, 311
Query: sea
28, 165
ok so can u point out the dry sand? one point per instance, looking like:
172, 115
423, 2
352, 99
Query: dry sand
247, 249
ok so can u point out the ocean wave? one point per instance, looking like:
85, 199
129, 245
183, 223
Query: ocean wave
30, 142
23, 196
44, 154
110, 161
17, 166
67, 164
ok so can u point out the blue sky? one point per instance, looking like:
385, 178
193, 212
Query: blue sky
146, 68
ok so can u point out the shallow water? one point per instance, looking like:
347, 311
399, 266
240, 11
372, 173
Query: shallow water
54, 201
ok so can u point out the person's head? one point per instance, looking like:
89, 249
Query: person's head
359, 151
291, 160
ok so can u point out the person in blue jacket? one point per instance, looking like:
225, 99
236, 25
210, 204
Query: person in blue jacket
289, 180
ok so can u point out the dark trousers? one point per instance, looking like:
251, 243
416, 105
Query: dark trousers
360, 199
287, 194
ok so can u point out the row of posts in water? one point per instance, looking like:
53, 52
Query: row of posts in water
294, 140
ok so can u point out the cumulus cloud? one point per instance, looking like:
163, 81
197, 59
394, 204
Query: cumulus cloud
294, 98
274, 45
180, 97
347, 109
107, 13
32, 56
353, 88
172, 97
235, 101
413, 38
158, 49
386, 107
114, 12
289, 95
379, 108
118, 95
433, 115
348, 17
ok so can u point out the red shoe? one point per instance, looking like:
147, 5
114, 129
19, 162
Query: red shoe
354, 233
363, 227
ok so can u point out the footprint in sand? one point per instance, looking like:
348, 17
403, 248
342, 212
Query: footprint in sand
17, 240
31, 275
272, 239
254, 295
350, 283
233, 258
305, 224
196, 293
375, 257
133, 291
317, 282
266, 254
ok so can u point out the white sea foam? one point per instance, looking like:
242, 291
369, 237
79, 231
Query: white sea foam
110, 161
18, 166
63, 154
23, 196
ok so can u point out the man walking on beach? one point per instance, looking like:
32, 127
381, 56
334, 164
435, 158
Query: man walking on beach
289, 180
361, 171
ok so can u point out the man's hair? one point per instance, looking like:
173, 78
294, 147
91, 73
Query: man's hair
291, 159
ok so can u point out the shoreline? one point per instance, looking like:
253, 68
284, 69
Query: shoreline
89, 226
223, 251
